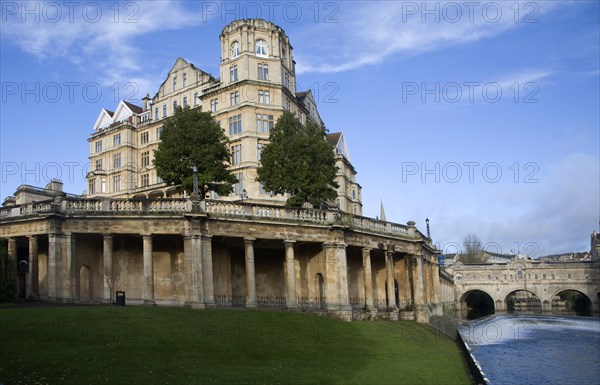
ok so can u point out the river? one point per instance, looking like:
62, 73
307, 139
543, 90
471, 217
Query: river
525, 349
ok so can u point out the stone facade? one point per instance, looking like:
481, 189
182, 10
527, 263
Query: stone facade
543, 280
257, 84
211, 253
132, 233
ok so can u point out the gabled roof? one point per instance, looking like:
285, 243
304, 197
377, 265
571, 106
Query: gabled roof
337, 139
104, 119
179, 64
334, 138
124, 111
306, 99
135, 109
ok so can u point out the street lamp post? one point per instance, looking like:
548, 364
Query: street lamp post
195, 170
427, 223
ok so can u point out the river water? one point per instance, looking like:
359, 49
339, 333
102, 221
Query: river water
514, 349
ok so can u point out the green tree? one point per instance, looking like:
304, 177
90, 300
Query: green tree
193, 138
8, 274
299, 161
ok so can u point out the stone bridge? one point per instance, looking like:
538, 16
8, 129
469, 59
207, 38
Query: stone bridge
544, 280
183, 252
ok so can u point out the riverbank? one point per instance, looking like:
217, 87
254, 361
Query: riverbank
142, 345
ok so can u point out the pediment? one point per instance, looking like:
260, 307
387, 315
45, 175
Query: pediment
122, 112
105, 119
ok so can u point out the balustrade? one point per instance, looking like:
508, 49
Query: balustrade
217, 208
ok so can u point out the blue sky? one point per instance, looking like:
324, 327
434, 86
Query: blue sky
481, 116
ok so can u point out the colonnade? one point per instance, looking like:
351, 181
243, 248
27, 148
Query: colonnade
422, 281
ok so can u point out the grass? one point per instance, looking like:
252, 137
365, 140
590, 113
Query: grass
142, 345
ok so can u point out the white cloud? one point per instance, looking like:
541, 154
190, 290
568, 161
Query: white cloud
371, 32
106, 45
553, 216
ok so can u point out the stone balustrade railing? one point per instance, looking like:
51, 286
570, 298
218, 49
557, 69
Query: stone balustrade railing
120, 206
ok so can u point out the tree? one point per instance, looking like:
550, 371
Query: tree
193, 138
473, 251
299, 161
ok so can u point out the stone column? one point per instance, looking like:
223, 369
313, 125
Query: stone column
407, 266
193, 271
188, 268
250, 273
148, 271
207, 271
67, 270
426, 282
33, 283
290, 269
368, 277
336, 280
391, 287
343, 269
53, 256
108, 274
418, 285
331, 276
418, 280
12, 254
435, 275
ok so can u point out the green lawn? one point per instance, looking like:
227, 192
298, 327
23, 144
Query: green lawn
143, 345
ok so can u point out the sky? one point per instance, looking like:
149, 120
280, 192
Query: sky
482, 116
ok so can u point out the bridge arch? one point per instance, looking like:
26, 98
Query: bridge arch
571, 301
523, 301
476, 303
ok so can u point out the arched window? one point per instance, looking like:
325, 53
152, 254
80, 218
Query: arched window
235, 49
261, 48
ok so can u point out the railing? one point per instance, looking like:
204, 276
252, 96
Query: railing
230, 301
358, 303
402, 304
270, 302
306, 303
405, 304
122, 206
380, 304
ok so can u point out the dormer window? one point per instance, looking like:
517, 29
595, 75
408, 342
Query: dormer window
261, 48
184, 80
235, 49
174, 83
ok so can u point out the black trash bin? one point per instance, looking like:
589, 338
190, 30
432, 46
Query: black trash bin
120, 298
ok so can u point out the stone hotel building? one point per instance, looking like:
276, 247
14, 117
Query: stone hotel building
132, 233
257, 84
